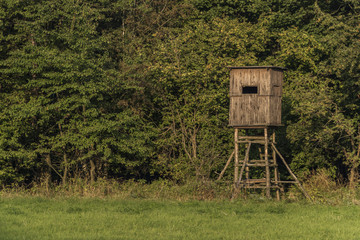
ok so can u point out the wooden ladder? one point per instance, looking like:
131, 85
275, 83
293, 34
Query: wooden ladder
267, 161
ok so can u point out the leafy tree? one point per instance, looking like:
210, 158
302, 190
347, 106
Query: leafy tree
139, 89
191, 73
68, 108
322, 88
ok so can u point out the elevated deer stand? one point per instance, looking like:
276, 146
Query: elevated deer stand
255, 103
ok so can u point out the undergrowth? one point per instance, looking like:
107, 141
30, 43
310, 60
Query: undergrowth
320, 186
104, 188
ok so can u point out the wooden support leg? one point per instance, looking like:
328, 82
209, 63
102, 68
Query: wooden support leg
226, 166
267, 167
276, 170
244, 164
291, 173
236, 138
247, 170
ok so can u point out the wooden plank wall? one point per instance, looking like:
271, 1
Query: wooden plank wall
249, 77
262, 109
276, 93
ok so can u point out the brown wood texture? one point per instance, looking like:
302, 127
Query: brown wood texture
226, 166
262, 108
266, 161
291, 173
275, 98
244, 164
276, 171
236, 150
267, 167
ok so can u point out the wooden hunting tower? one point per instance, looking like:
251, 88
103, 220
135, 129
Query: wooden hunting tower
255, 96
255, 103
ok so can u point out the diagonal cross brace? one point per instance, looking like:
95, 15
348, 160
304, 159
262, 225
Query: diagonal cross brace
291, 173
244, 164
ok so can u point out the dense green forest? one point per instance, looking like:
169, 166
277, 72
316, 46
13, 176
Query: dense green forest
138, 89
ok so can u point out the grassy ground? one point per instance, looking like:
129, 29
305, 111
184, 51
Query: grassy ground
95, 218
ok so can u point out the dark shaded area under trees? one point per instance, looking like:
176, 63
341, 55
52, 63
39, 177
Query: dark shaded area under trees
138, 89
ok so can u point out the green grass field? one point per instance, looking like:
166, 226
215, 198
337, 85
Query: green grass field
41, 218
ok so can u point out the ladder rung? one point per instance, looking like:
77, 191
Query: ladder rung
284, 182
255, 180
257, 186
258, 161
251, 137
252, 141
260, 165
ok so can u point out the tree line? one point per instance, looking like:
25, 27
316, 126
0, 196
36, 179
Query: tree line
138, 89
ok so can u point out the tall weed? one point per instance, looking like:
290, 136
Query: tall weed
324, 189
319, 185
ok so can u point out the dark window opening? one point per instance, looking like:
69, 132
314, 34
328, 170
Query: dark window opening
250, 90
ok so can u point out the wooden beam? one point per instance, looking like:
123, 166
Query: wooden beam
236, 150
252, 141
284, 181
251, 137
226, 165
291, 173
267, 167
244, 164
276, 171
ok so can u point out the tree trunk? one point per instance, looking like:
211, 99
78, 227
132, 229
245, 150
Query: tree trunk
353, 177
48, 173
64, 158
92, 171
65, 169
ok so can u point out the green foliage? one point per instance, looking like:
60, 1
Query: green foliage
139, 89
191, 73
66, 106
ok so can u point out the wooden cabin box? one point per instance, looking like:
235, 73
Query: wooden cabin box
255, 96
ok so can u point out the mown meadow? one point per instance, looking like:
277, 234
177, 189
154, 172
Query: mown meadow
96, 218
163, 210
